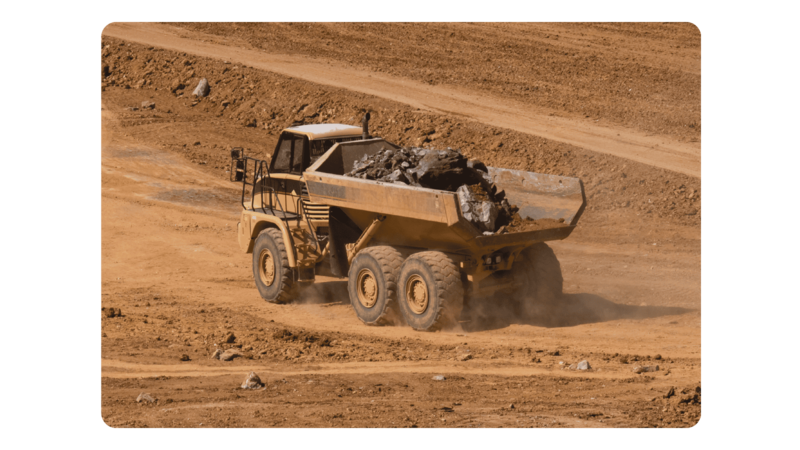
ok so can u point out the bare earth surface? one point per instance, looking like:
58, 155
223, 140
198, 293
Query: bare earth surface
504, 111
172, 265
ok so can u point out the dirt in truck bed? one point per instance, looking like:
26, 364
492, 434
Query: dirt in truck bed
179, 284
518, 224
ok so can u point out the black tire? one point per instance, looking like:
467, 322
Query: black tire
540, 278
373, 272
440, 297
277, 286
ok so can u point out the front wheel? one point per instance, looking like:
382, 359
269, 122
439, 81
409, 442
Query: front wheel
271, 269
431, 295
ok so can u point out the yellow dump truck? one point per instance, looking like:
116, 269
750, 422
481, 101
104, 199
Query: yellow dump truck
408, 253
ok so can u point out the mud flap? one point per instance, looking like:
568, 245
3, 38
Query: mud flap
342, 231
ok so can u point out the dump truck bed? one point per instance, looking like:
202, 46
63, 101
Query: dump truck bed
430, 218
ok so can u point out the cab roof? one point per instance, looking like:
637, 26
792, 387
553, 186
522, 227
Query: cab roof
325, 130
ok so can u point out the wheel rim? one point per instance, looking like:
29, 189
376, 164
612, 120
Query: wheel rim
416, 294
266, 267
367, 288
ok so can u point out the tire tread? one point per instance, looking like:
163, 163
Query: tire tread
390, 261
448, 286
287, 292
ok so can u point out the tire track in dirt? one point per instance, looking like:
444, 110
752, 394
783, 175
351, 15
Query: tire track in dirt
658, 151
120, 369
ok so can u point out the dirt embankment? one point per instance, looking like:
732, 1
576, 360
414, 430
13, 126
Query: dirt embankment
259, 104
640, 75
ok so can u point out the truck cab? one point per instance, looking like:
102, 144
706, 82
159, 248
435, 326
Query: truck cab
298, 148
279, 201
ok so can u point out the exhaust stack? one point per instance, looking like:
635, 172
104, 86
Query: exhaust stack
365, 127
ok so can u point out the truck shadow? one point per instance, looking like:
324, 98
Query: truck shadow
568, 311
326, 292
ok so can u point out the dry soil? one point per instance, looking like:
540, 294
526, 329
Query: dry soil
171, 263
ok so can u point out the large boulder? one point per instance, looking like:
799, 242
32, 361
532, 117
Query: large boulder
445, 170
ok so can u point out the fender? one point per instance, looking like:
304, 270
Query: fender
252, 223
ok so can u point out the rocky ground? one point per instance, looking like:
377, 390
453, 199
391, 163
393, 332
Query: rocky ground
172, 267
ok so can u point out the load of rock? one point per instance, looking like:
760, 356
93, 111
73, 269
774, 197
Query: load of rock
448, 170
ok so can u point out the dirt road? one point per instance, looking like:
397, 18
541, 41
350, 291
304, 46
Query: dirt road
659, 151
172, 265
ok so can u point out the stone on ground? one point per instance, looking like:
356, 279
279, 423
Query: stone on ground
252, 382
146, 398
202, 88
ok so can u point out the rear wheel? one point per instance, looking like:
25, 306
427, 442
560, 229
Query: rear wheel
271, 269
541, 282
431, 294
372, 285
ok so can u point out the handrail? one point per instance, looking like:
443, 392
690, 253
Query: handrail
261, 175
302, 206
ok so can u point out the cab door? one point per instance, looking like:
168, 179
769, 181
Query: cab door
293, 184
286, 167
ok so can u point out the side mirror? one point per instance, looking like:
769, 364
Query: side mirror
237, 164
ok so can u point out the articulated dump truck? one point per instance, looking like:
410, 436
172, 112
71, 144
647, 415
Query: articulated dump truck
408, 253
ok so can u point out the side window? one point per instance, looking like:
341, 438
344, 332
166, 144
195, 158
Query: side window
297, 159
282, 160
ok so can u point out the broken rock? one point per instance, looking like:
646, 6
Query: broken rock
445, 170
202, 88
252, 382
583, 365
229, 354
448, 170
146, 398
148, 105
480, 211
642, 369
